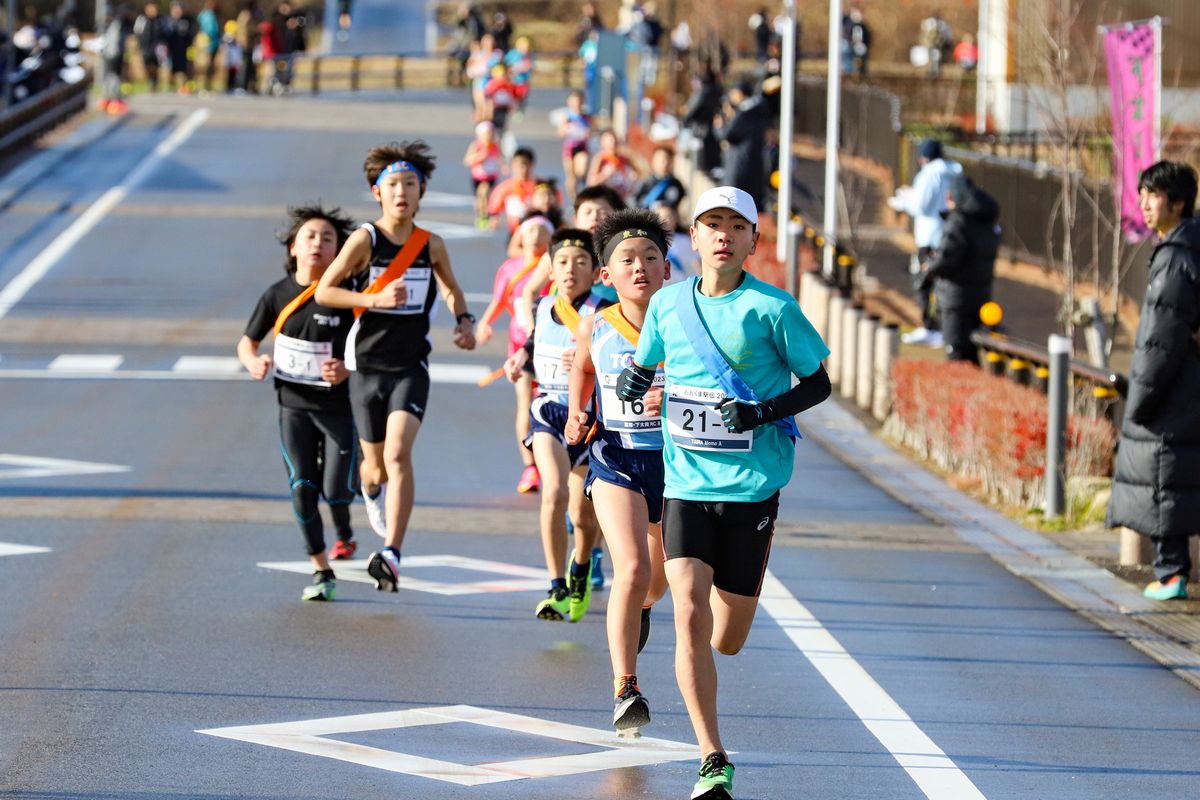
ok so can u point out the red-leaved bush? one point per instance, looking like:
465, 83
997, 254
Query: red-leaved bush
987, 427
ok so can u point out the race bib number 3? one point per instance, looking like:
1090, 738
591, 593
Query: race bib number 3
622, 415
694, 423
417, 279
300, 361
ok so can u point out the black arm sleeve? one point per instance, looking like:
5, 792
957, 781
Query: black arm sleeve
810, 391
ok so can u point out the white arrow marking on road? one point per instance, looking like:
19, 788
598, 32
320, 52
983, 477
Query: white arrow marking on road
36, 269
308, 736
935, 774
517, 578
7, 549
13, 466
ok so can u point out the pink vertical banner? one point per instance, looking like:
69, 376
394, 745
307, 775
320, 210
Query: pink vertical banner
1131, 53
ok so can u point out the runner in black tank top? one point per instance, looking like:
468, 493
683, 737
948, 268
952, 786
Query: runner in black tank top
394, 269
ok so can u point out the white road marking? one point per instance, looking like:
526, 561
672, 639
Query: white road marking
36, 269
935, 774
478, 297
517, 578
215, 368
15, 467
85, 362
434, 199
7, 549
454, 230
308, 736
208, 365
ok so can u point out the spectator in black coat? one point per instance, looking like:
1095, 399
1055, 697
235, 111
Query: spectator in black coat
962, 269
742, 128
148, 30
703, 106
179, 31
1156, 484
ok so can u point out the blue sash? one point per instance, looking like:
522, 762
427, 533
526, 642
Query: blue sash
713, 360
657, 191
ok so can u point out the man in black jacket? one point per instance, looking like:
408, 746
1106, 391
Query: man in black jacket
961, 270
1156, 483
742, 128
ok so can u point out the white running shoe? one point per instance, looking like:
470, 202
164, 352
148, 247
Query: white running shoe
377, 510
935, 340
915, 336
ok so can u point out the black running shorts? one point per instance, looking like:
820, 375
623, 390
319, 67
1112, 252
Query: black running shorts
732, 538
374, 396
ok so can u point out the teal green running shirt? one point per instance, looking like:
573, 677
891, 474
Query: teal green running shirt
763, 335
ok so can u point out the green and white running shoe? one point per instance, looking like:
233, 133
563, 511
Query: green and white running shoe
555, 607
716, 778
579, 592
322, 588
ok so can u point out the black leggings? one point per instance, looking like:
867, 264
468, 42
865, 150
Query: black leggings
320, 449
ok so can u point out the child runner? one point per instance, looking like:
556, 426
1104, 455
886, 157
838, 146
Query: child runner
391, 265
575, 130
520, 69
661, 185
625, 474
501, 95
611, 167
730, 345
485, 161
562, 467
316, 431
511, 196
534, 237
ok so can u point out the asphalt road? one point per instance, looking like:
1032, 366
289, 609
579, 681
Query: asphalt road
141, 493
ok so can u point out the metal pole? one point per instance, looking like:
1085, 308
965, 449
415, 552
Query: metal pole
981, 81
1056, 424
792, 234
787, 102
1158, 90
10, 58
833, 113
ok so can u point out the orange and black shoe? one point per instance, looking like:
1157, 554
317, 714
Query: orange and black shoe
343, 550
631, 712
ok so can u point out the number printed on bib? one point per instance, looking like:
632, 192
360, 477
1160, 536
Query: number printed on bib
694, 422
300, 361
548, 369
417, 279
621, 415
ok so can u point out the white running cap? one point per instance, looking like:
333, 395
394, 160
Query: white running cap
729, 197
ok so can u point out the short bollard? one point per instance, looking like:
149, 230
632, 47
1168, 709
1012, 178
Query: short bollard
837, 304
887, 347
1056, 425
816, 304
865, 378
849, 360
1136, 549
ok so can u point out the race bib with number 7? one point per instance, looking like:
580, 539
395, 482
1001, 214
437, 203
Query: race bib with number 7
694, 422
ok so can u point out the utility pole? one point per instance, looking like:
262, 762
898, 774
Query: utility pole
833, 114
787, 102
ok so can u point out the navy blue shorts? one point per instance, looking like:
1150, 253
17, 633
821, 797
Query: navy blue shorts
547, 416
640, 471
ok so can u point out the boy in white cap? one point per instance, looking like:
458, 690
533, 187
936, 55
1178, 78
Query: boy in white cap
730, 345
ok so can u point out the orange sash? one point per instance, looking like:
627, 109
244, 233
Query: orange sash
624, 327
567, 313
507, 304
299, 300
399, 265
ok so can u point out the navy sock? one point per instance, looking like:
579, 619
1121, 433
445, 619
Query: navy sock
580, 570
558, 583
394, 551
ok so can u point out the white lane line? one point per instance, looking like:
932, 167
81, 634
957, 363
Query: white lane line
85, 362
16, 467
935, 774
478, 297
20, 549
217, 368
36, 269
208, 365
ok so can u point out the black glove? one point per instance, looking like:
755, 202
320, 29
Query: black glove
740, 417
634, 382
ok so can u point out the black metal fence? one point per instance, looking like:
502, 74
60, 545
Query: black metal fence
870, 120
29, 119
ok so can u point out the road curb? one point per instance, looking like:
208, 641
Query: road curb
1093, 592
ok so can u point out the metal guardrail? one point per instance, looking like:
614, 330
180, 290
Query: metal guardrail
31, 118
1029, 364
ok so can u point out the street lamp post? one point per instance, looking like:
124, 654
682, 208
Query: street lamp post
833, 112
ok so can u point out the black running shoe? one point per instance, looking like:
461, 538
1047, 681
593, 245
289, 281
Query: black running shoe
644, 633
383, 570
631, 712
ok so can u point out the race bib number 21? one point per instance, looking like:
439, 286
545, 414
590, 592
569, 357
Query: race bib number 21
694, 423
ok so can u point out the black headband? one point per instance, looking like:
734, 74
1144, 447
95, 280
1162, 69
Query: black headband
634, 233
580, 243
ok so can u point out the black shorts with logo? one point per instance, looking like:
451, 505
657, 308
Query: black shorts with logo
732, 538
376, 395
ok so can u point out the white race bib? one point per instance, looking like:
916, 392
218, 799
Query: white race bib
548, 368
622, 415
417, 279
694, 422
300, 361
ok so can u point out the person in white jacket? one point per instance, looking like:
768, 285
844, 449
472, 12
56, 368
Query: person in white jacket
925, 202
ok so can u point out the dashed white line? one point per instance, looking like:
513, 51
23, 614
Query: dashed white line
208, 365
86, 362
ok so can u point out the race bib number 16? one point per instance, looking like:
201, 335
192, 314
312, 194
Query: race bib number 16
694, 423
